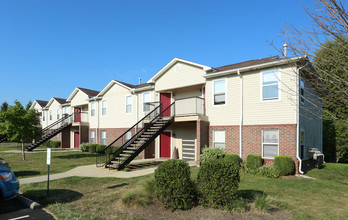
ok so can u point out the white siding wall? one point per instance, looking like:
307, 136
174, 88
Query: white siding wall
54, 106
79, 98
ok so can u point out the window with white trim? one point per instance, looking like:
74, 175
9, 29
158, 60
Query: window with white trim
219, 139
146, 100
270, 143
270, 85
51, 115
43, 115
58, 113
302, 86
103, 137
129, 103
65, 110
104, 106
92, 109
92, 137
219, 88
128, 135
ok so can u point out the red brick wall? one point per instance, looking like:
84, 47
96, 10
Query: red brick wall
252, 140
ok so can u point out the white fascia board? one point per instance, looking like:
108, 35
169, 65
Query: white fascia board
33, 104
109, 85
71, 96
144, 88
49, 102
171, 63
254, 67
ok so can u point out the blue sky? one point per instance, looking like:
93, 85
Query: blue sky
47, 48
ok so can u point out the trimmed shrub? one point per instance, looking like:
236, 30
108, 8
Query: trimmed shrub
253, 162
53, 144
234, 158
84, 147
269, 172
284, 164
100, 148
218, 182
211, 153
93, 148
111, 149
173, 186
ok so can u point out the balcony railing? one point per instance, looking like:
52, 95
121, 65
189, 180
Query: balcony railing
190, 106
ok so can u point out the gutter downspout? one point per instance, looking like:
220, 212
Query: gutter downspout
241, 116
298, 120
97, 133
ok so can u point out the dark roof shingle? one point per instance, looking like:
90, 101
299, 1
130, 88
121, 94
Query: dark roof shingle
41, 103
89, 92
60, 101
248, 63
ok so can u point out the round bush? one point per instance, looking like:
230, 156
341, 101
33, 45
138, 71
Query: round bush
84, 147
284, 164
92, 148
100, 148
253, 162
211, 153
218, 182
233, 158
173, 186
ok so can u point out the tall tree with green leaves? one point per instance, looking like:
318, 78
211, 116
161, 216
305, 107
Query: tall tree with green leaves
19, 124
27, 107
4, 107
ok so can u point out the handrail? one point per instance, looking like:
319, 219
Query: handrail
56, 122
190, 98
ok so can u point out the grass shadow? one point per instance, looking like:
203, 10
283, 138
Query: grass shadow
117, 186
248, 194
24, 173
55, 196
75, 156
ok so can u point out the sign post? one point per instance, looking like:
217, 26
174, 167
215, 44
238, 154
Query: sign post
48, 164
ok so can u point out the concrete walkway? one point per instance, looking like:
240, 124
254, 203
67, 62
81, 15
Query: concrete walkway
93, 171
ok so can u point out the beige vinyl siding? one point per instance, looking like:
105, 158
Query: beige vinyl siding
138, 100
116, 116
53, 106
255, 110
38, 109
180, 75
311, 120
79, 98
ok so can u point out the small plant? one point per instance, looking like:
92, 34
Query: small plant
150, 187
284, 164
261, 202
269, 172
135, 198
174, 188
126, 169
234, 158
218, 182
240, 205
92, 148
209, 153
84, 147
253, 162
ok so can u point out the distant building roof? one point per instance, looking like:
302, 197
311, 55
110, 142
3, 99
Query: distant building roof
41, 103
248, 63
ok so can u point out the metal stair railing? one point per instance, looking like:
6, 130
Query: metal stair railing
102, 158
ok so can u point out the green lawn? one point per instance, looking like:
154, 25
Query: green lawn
88, 198
15, 146
35, 163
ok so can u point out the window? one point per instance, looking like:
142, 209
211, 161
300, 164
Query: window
219, 92
58, 137
146, 99
103, 137
302, 91
92, 137
43, 116
65, 110
129, 102
270, 85
219, 139
270, 143
104, 105
128, 135
58, 113
93, 109
50, 114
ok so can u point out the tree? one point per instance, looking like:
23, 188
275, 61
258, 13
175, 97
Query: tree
19, 125
4, 107
27, 107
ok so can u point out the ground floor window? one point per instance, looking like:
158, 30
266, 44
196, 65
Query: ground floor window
270, 143
103, 137
128, 135
92, 137
219, 139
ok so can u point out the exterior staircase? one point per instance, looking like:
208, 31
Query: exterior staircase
131, 148
52, 130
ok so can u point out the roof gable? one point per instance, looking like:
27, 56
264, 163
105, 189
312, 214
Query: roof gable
89, 92
60, 101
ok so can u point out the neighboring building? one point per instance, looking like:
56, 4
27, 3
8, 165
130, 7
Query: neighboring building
39, 105
255, 107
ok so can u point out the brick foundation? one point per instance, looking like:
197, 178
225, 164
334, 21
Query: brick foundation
252, 140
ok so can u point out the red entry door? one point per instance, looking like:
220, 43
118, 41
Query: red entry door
165, 99
77, 115
165, 144
76, 139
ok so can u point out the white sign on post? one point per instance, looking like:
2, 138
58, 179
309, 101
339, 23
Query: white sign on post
48, 156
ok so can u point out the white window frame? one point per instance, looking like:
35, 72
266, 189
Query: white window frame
131, 104
65, 110
219, 130
50, 115
269, 143
43, 116
93, 108
93, 137
58, 114
279, 85
148, 92
128, 136
104, 108
103, 139
213, 94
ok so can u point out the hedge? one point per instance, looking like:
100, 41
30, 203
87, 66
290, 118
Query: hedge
218, 181
253, 162
234, 158
284, 164
93, 148
173, 186
211, 153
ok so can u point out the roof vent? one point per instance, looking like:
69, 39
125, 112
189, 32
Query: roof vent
139, 81
285, 47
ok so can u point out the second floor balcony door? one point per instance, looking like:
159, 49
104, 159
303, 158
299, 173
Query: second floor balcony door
165, 99
77, 115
